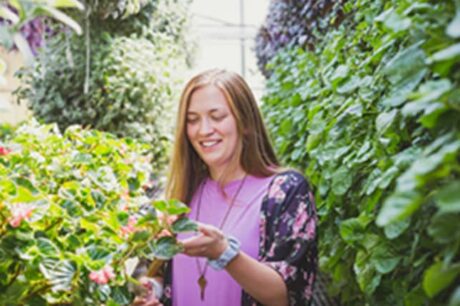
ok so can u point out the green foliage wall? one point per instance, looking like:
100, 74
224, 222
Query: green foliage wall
372, 115
122, 75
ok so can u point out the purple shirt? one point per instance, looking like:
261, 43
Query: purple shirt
243, 223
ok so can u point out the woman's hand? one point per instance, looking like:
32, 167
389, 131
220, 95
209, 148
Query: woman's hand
209, 243
148, 297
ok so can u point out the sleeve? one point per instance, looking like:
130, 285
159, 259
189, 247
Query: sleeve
288, 242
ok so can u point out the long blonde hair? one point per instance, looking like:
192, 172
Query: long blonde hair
254, 151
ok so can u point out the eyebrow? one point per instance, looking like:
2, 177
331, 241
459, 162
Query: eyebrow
210, 111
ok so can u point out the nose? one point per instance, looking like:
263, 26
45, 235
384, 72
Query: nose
206, 127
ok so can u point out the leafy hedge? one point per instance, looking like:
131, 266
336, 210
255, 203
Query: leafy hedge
295, 23
372, 115
122, 75
75, 217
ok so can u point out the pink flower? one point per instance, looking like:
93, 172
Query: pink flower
102, 276
4, 151
166, 219
20, 212
130, 227
164, 233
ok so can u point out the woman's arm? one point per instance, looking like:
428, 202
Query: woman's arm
259, 280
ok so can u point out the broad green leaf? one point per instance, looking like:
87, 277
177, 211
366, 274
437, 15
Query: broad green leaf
23, 195
437, 277
395, 229
341, 181
59, 273
141, 236
416, 297
448, 198
352, 84
368, 278
177, 208
444, 227
396, 22
89, 225
352, 230
165, 248
447, 53
398, 207
47, 248
385, 120
384, 258
405, 66
388, 176
455, 298
184, 225
453, 29
432, 113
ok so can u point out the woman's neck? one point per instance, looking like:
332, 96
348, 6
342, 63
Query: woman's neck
227, 175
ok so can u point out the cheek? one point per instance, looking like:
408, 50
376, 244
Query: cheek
190, 132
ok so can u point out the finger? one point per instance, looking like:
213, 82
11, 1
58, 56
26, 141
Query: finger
138, 301
195, 241
210, 231
196, 252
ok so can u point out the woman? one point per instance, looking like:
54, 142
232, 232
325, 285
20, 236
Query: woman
257, 221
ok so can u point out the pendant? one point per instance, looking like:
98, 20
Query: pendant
202, 283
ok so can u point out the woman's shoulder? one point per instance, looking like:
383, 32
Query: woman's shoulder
289, 178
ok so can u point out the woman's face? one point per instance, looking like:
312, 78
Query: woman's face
211, 127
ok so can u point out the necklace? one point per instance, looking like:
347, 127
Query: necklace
202, 282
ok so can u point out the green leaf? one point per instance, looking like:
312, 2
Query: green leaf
141, 236
455, 298
448, 198
399, 206
368, 278
395, 229
384, 259
59, 273
453, 29
184, 225
177, 208
165, 248
352, 84
444, 227
341, 180
406, 66
47, 247
437, 277
447, 53
385, 120
396, 22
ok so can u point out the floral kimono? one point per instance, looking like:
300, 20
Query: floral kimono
287, 239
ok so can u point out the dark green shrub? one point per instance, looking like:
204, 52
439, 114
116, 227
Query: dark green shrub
372, 114
122, 75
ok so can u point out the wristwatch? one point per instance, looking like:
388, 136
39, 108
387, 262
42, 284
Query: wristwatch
230, 252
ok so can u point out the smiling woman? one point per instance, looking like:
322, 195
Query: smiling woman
212, 129
256, 220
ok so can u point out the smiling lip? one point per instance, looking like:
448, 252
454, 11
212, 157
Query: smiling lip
209, 145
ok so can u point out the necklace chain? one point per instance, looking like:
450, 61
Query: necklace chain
202, 272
